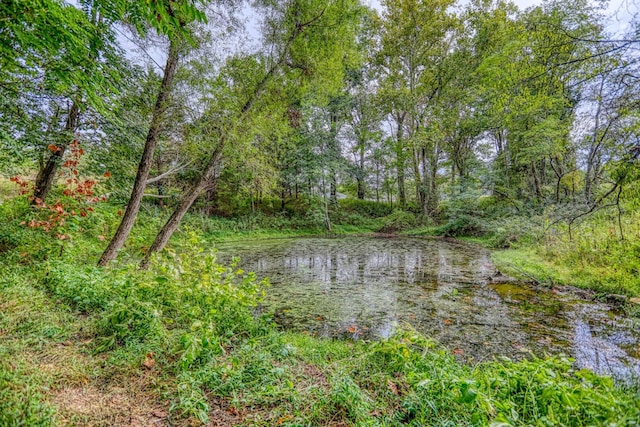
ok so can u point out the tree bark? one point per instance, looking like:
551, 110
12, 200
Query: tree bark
400, 160
172, 224
146, 161
47, 173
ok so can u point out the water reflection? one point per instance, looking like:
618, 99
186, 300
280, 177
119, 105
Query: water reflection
366, 287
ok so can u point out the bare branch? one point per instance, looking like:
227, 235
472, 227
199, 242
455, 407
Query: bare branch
171, 171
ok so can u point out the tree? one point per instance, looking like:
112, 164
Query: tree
172, 20
294, 30
416, 37
68, 58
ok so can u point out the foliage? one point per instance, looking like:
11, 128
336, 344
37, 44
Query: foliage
189, 323
397, 221
366, 208
518, 129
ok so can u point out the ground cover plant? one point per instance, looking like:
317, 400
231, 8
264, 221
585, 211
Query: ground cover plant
179, 344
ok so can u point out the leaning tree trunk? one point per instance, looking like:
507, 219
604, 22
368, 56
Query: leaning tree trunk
189, 198
192, 194
47, 173
146, 161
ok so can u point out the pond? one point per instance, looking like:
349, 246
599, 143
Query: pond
366, 287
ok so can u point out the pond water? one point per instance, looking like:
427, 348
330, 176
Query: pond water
366, 287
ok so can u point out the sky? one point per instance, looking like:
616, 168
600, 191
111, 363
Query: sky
620, 13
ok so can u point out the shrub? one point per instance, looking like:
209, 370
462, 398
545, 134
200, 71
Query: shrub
461, 225
365, 208
397, 221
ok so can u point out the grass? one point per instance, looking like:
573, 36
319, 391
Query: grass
178, 345
595, 257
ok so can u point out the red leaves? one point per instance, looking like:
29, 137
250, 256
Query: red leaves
78, 194
23, 184
58, 208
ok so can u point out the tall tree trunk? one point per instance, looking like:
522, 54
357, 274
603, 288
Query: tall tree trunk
399, 149
536, 182
334, 152
361, 173
433, 188
47, 173
146, 161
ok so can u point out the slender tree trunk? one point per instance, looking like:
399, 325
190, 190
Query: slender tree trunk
146, 161
590, 176
433, 187
377, 182
172, 224
536, 182
361, 174
47, 173
400, 160
333, 153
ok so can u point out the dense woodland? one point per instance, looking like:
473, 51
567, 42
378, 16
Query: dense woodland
123, 122
425, 106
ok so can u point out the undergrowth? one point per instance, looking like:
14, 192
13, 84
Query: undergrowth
188, 324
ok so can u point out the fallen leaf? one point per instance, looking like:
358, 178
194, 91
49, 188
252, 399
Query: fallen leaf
392, 387
284, 419
149, 362
159, 413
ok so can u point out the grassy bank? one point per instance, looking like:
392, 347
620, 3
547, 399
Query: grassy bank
178, 345
593, 256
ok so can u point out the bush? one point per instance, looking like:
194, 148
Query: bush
398, 221
365, 208
186, 290
462, 225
